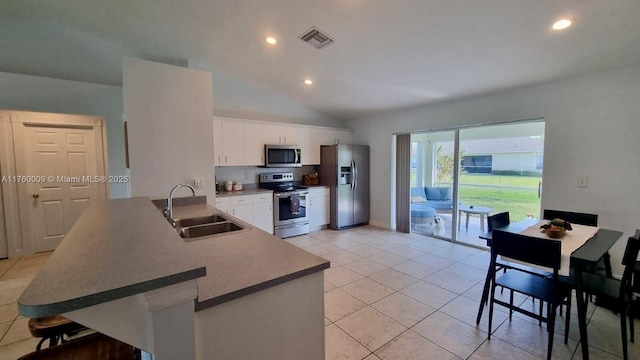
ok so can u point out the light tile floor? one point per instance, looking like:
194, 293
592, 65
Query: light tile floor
407, 296
388, 296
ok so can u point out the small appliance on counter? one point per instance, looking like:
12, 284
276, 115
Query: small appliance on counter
290, 217
282, 156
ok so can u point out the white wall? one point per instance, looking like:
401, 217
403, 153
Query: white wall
592, 128
33, 93
169, 116
249, 174
235, 98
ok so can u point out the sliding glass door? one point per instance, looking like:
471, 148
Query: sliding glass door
489, 169
432, 174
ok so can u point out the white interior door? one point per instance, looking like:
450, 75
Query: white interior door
63, 170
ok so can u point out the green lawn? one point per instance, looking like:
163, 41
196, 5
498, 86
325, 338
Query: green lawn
516, 194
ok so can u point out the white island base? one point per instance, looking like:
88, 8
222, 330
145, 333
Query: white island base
282, 322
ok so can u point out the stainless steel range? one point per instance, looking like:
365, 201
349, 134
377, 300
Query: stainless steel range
290, 217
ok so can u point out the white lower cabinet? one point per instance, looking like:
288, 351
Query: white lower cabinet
318, 207
257, 209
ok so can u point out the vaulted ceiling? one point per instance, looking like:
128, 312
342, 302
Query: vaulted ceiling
387, 54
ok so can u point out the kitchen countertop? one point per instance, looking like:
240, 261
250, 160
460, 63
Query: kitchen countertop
245, 262
243, 192
124, 247
117, 248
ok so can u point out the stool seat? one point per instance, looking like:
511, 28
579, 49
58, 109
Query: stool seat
95, 347
50, 326
53, 328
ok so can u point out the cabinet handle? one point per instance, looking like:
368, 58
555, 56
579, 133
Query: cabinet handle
285, 139
225, 159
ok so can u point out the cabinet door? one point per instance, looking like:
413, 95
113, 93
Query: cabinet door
243, 212
263, 216
222, 204
218, 156
318, 211
253, 144
281, 134
310, 141
232, 142
337, 136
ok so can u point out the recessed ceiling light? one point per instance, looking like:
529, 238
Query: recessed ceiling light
271, 40
561, 24
308, 82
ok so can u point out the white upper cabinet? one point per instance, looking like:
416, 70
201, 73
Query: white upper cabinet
240, 142
253, 143
281, 134
337, 136
310, 140
218, 156
228, 142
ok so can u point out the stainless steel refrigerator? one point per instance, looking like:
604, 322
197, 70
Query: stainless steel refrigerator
344, 168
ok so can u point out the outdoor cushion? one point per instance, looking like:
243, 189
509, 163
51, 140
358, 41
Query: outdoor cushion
438, 193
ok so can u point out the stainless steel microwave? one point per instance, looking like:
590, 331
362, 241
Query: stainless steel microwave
282, 156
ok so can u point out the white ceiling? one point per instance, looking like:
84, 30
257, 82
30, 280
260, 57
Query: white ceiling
387, 54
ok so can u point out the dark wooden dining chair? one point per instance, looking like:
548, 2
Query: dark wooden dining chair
532, 251
498, 220
572, 217
618, 293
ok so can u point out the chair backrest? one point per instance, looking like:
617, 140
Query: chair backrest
629, 259
532, 250
572, 217
498, 220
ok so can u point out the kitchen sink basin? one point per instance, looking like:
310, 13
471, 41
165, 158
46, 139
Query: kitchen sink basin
218, 228
181, 223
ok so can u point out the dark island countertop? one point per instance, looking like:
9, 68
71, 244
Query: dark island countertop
123, 247
117, 248
245, 262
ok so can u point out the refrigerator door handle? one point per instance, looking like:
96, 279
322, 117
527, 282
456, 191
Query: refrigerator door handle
355, 175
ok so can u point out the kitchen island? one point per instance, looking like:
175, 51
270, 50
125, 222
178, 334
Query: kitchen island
124, 271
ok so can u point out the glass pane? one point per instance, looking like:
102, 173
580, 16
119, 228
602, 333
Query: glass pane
432, 166
500, 170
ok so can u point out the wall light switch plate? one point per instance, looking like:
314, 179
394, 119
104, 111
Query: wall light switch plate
582, 181
198, 182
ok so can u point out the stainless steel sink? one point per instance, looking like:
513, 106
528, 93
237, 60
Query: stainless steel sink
217, 228
180, 223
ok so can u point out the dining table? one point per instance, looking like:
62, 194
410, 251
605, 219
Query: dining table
584, 258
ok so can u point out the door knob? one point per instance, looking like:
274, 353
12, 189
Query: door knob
36, 195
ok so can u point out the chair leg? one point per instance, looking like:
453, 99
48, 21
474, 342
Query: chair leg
631, 326
511, 305
623, 328
567, 320
540, 320
493, 295
39, 346
551, 322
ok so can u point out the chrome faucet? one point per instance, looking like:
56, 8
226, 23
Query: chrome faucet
170, 199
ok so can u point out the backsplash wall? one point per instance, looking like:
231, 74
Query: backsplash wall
249, 174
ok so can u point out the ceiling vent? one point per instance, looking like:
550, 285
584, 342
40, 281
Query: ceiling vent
316, 38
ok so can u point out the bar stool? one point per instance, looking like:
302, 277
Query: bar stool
53, 328
95, 347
